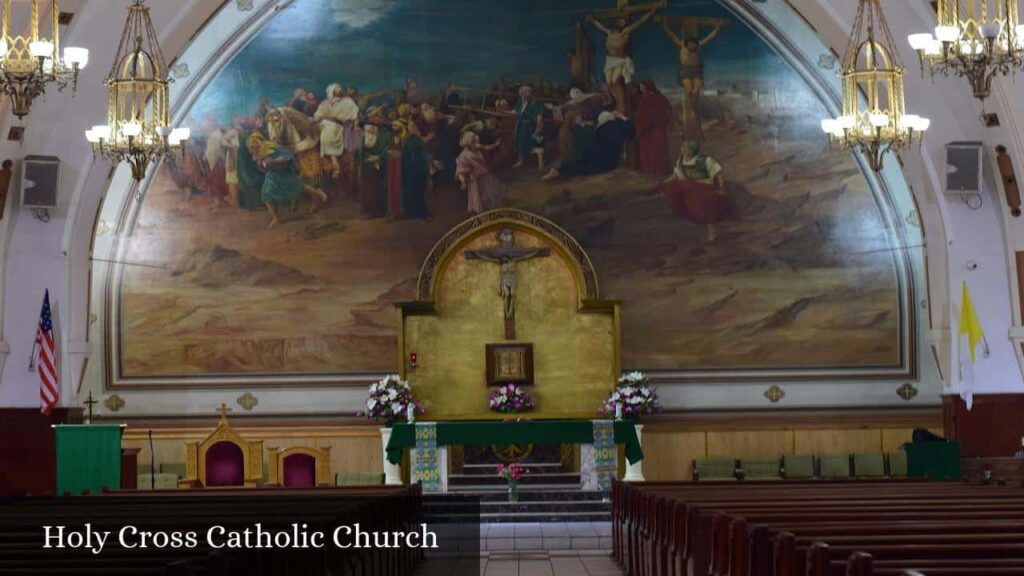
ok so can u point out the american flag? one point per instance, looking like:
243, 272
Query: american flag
49, 390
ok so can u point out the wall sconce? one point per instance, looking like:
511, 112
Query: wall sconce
413, 357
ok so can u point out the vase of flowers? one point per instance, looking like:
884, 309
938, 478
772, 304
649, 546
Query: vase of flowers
511, 399
391, 400
512, 474
632, 397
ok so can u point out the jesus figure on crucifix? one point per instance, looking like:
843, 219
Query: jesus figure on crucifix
506, 255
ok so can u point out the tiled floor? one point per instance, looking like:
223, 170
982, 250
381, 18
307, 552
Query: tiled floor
526, 549
546, 536
525, 564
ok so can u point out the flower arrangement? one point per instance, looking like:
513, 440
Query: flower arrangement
512, 474
511, 399
632, 396
391, 400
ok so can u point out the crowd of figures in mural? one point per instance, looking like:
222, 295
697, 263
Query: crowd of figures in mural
702, 200
386, 148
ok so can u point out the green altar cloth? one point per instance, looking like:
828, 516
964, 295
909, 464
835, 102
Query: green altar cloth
476, 433
88, 458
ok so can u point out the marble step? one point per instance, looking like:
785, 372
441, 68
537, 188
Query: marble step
537, 506
547, 478
491, 469
526, 494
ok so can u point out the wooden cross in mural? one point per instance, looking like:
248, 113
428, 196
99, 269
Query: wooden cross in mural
506, 255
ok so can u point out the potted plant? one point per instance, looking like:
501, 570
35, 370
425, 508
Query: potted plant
512, 474
632, 397
511, 399
391, 400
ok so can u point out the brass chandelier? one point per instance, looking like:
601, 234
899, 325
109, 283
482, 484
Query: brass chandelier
874, 119
975, 39
29, 63
138, 129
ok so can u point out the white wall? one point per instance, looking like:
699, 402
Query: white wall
55, 255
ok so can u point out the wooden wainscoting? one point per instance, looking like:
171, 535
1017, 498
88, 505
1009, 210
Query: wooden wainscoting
673, 441
354, 449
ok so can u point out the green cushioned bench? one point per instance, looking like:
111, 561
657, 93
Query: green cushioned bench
717, 469
761, 468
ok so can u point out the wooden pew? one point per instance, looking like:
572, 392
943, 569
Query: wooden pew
656, 528
375, 508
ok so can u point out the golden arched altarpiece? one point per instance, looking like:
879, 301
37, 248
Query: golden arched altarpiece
196, 453
462, 306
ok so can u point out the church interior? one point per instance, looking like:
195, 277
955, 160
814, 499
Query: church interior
567, 288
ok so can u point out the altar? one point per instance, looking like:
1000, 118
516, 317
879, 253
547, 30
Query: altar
428, 444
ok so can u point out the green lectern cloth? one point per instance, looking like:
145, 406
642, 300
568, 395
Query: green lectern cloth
485, 432
88, 458
937, 461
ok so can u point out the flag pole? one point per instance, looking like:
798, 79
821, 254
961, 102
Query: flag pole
32, 357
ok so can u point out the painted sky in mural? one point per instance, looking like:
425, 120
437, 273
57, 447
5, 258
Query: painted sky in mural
377, 44
713, 208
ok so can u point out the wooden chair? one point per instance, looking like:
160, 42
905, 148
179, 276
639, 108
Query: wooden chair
299, 466
224, 458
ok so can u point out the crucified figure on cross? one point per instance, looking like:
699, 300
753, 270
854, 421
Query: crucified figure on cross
691, 64
618, 67
506, 255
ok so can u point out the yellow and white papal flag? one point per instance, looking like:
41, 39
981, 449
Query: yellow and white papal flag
970, 335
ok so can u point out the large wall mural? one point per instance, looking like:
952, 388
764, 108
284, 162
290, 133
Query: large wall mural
348, 136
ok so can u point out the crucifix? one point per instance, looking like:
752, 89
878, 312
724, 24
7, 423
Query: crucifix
506, 255
691, 64
89, 403
619, 68
223, 412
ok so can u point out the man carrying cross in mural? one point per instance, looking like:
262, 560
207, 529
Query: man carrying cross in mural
619, 68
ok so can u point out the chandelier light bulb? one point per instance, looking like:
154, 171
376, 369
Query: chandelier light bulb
829, 125
3, 49
920, 41
164, 131
74, 56
101, 132
947, 33
131, 130
91, 137
182, 133
879, 120
990, 30
933, 48
923, 124
40, 49
846, 122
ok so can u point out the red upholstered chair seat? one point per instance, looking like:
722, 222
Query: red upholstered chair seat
225, 465
299, 470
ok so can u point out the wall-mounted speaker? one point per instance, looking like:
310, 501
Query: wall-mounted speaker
963, 167
40, 181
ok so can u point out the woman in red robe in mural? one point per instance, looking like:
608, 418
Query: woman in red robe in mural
696, 189
653, 117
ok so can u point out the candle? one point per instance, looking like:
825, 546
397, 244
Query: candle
410, 412
618, 411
